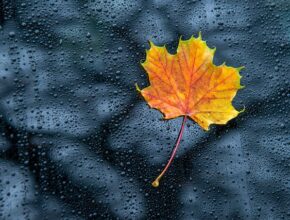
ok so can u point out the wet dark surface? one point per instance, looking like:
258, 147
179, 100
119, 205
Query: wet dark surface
78, 142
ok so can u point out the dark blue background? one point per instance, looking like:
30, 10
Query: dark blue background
78, 142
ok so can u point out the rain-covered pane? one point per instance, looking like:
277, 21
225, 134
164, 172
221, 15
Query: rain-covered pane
79, 142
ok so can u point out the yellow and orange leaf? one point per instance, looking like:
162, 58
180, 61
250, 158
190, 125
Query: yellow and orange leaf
189, 84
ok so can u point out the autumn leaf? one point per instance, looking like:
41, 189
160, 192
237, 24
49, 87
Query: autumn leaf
188, 84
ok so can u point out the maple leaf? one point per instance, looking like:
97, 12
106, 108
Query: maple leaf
188, 84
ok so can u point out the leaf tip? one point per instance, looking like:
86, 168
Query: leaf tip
180, 38
142, 63
240, 68
206, 128
137, 87
244, 109
151, 43
199, 35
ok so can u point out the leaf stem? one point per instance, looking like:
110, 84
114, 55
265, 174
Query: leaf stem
155, 183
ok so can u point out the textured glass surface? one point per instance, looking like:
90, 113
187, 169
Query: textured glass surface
78, 142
